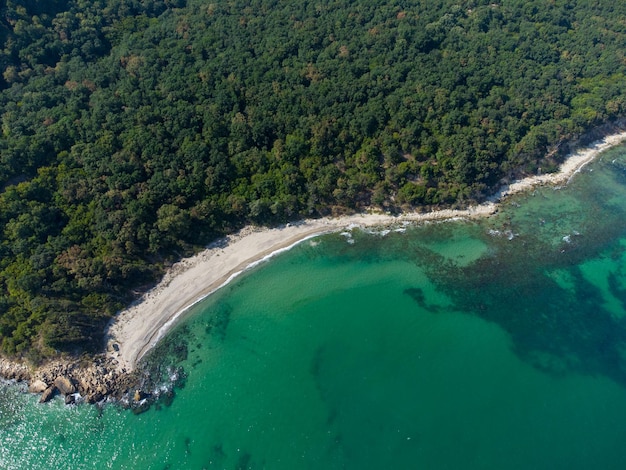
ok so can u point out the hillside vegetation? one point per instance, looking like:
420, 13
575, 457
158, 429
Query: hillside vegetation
135, 131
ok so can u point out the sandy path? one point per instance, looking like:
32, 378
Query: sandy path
137, 329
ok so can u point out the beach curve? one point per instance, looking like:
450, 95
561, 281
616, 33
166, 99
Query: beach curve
134, 331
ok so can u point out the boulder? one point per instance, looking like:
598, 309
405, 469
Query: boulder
47, 394
37, 386
94, 397
65, 385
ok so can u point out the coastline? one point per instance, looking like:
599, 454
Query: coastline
133, 332
137, 329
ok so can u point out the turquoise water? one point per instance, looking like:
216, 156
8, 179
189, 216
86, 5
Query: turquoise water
498, 343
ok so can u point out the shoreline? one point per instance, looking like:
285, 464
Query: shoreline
114, 375
134, 331
137, 329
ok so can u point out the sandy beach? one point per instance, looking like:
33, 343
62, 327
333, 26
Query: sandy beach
138, 328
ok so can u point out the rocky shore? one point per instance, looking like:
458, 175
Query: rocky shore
91, 380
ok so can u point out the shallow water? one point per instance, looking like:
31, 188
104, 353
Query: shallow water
499, 343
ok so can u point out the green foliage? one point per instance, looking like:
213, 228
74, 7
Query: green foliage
135, 131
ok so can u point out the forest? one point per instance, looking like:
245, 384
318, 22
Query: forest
135, 132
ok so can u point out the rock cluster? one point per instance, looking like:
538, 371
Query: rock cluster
14, 370
93, 379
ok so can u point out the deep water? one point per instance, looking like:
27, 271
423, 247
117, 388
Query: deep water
498, 343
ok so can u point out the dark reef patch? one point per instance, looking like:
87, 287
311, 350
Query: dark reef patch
417, 294
555, 329
218, 321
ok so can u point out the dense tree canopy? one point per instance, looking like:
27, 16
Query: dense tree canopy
134, 131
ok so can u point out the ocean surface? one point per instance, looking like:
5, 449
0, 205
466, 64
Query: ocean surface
491, 344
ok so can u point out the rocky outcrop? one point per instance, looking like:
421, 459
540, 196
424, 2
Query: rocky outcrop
97, 379
94, 378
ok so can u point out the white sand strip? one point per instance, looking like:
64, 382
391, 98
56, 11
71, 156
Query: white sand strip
137, 329
572, 165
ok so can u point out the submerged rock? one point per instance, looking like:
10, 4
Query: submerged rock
141, 407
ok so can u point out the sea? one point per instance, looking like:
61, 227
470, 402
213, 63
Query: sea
497, 343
